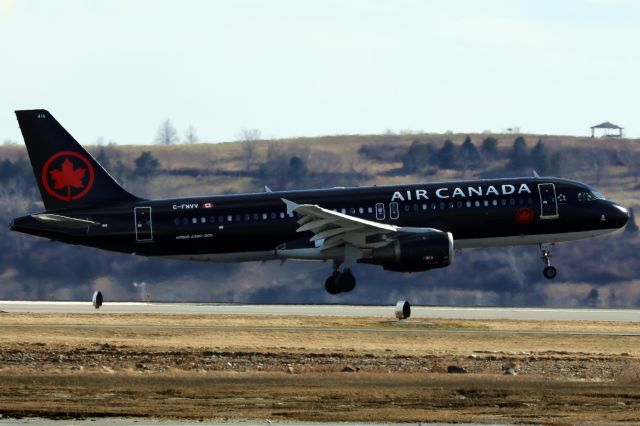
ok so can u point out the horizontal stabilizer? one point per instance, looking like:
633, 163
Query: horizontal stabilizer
63, 221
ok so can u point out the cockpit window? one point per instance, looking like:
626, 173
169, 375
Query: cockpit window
589, 196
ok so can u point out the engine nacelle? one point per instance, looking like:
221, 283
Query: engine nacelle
416, 253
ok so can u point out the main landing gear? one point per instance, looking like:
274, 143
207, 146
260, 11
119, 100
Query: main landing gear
340, 282
549, 271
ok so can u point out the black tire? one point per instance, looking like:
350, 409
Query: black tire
550, 272
332, 284
347, 281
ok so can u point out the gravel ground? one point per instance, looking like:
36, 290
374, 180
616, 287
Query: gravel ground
67, 368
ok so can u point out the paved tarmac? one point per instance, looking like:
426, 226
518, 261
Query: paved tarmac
530, 314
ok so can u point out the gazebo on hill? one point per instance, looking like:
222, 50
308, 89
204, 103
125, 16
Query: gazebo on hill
607, 127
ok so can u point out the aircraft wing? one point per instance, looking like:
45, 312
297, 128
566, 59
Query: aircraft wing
333, 229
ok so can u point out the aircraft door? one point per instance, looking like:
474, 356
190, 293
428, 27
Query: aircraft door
380, 211
143, 224
548, 201
394, 212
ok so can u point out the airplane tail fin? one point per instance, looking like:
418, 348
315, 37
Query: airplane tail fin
67, 175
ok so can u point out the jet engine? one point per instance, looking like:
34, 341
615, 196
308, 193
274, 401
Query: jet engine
416, 253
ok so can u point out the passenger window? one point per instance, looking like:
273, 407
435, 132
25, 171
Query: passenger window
370, 210
212, 219
203, 220
477, 203
459, 204
194, 220
433, 206
220, 219
468, 203
255, 216
176, 221
424, 207
486, 203
281, 215
503, 202
416, 207
273, 215
407, 207
529, 200
247, 217
238, 218
185, 220
343, 211
229, 218
352, 210
520, 201
450, 204
264, 216
361, 210
512, 202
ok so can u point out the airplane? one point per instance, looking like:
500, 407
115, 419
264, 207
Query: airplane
403, 228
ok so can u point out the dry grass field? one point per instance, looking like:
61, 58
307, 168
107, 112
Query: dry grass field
226, 367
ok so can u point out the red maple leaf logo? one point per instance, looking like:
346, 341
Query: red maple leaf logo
524, 215
74, 172
68, 177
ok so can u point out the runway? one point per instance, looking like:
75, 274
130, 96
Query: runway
484, 313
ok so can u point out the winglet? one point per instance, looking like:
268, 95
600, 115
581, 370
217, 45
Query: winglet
291, 206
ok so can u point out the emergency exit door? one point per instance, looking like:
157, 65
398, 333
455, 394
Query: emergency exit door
143, 224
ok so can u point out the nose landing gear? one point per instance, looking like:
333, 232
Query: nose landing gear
340, 282
549, 271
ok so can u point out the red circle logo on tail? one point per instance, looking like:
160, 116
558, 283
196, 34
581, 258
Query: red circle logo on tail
524, 215
67, 176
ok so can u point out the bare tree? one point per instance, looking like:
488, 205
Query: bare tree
597, 164
249, 139
167, 134
325, 162
190, 135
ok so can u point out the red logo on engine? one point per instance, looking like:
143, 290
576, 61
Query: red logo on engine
524, 215
67, 176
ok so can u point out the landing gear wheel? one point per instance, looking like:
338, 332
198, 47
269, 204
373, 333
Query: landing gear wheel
545, 253
550, 272
332, 284
347, 281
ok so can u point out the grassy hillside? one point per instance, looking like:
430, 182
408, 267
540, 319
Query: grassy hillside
612, 165
599, 272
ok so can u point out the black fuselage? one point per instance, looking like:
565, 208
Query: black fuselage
257, 226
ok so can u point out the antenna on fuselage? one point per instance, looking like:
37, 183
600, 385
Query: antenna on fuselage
536, 175
267, 189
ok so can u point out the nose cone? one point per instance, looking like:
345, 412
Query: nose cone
619, 216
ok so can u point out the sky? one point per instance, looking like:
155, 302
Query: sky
290, 68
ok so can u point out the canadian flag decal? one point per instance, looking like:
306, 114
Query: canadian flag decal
207, 205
